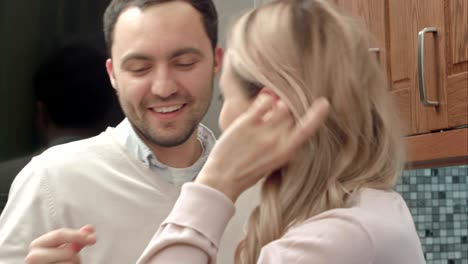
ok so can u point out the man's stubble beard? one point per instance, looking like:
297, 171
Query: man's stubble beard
151, 135
155, 138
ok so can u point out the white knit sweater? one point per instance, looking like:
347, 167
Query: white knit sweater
96, 181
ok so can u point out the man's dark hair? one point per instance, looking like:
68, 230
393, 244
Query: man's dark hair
206, 8
73, 85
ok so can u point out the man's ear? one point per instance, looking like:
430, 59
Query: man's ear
110, 73
218, 59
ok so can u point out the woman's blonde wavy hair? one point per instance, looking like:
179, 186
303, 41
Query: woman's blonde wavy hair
302, 50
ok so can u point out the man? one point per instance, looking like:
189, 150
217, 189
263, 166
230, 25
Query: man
72, 76
125, 181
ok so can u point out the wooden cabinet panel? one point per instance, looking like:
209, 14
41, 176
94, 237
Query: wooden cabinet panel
396, 25
457, 99
401, 97
456, 23
372, 14
406, 19
402, 62
438, 149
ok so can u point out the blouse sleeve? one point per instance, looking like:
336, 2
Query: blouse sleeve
192, 231
334, 239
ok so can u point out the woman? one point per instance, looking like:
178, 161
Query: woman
332, 202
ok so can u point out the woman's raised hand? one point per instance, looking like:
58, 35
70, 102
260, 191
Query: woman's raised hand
259, 141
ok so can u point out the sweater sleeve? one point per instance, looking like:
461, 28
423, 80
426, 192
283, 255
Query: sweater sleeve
28, 214
192, 231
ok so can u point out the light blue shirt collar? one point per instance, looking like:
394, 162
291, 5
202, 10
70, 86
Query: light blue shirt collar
141, 152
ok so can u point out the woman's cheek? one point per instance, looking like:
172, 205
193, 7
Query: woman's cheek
221, 118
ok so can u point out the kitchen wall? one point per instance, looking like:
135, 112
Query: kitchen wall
18, 29
438, 201
227, 10
29, 30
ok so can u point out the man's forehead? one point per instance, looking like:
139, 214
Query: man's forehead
168, 14
164, 33
176, 21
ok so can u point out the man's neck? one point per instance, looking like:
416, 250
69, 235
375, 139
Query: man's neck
182, 156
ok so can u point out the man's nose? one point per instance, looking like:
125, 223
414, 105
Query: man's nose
163, 84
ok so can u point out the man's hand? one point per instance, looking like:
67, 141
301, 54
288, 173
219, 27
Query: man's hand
60, 246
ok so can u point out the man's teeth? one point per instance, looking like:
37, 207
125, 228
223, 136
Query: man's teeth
167, 109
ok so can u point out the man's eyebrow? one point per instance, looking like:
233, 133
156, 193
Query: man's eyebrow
176, 53
187, 50
135, 56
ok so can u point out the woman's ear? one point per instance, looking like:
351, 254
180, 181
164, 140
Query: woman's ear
270, 92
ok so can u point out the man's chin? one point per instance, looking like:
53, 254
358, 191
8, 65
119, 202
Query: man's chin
167, 139
166, 134
168, 142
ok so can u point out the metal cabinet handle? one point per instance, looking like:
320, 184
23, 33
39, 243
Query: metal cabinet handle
421, 83
377, 52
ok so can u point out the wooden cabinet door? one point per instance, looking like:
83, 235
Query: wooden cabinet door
406, 19
393, 40
395, 25
372, 14
375, 15
456, 23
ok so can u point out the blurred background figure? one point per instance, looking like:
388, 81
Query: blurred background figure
74, 100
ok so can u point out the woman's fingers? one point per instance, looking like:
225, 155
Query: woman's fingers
59, 237
309, 123
87, 229
51, 255
261, 105
60, 246
261, 140
278, 115
91, 238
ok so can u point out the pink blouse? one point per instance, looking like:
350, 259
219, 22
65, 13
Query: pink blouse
376, 228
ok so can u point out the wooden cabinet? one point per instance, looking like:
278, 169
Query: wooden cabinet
372, 14
456, 19
438, 59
